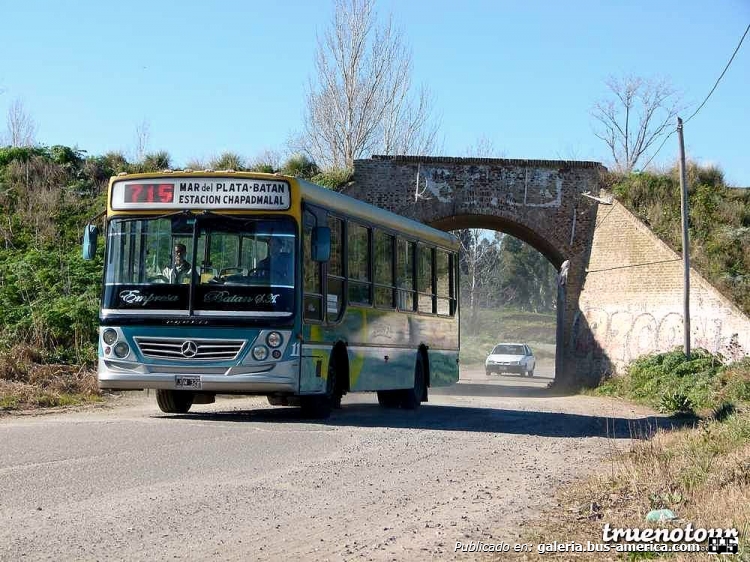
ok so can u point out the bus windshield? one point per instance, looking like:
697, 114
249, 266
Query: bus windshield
207, 265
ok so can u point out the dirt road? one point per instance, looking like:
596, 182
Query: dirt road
240, 480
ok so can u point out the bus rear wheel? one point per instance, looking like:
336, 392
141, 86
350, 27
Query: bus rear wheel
174, 401
412, 397
389, 398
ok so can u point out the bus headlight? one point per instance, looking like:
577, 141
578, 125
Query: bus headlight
122, 349
109, 336
260, 352
274, 339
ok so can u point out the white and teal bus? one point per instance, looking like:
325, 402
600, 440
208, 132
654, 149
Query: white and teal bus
259, 284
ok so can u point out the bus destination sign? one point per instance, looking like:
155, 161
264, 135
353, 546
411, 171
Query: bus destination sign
201, 193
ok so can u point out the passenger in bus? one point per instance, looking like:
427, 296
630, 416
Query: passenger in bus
181, 271
278, 263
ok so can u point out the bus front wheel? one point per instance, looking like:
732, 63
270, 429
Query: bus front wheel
174, 401
319, 406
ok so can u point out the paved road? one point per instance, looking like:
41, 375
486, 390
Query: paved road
239, 480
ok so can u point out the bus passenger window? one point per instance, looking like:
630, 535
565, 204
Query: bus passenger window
383, 270
359, 263
424, 280
405, 274
442, 266
335, 294
313, 300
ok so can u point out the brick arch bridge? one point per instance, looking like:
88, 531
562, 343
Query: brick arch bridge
623, 293
538, 201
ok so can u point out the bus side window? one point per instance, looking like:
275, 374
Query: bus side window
405, 274
424, 279
335, 287
443, 275
312, 286
358, 250
383, 270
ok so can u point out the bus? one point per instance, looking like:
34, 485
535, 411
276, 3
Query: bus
260, 284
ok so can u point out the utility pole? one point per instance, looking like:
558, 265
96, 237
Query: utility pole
685, 239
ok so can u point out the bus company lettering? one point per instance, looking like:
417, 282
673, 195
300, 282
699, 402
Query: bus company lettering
227, 297
135, 296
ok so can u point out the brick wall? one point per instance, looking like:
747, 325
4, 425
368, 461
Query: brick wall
632, 300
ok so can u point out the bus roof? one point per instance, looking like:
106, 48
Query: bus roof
370, 213
322, 196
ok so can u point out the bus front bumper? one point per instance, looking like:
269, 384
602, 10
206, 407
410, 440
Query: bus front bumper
278, 377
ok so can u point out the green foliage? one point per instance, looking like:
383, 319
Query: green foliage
228, 161
673, 384
300, 166
335, 178
48, 293
262, 168
10, 154
153, 162
719, 222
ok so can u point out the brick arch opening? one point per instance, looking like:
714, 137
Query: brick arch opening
556, 256
535, 239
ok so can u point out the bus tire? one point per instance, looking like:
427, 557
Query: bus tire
319, 406
338, 368
316, 407
389, 398
174, 401
412, 397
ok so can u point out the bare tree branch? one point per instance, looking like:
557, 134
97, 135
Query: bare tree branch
21, 127
361, 98
142, 137
640, 114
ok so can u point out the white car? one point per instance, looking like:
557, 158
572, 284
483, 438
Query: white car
511, 358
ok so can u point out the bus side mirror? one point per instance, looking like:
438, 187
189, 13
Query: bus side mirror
321, 243
90, 234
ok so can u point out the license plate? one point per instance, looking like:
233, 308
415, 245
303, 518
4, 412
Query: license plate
189, 382
502, 369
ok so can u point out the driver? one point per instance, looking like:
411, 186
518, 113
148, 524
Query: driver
181, 270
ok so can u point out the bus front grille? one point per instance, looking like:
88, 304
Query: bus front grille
190, 348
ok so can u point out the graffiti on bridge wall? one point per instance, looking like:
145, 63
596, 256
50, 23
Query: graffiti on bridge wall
614, 339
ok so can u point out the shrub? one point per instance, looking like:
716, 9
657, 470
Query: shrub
228, 161
334, 179
300, 166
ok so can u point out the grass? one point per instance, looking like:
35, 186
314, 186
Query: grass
493, 326
27, 384
702, 474
672, 384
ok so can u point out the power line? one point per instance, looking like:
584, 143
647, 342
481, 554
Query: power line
722, 75
658, 149
704, 101
632, 265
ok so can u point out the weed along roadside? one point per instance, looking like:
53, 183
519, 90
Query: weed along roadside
692, 474
28, 384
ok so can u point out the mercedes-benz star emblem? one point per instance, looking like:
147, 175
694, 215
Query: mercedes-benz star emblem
189, 349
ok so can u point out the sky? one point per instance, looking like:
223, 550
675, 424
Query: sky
208, 77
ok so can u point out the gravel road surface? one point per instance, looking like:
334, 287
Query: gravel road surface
240, 480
